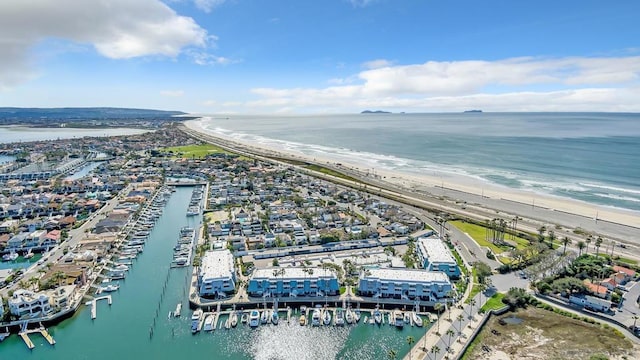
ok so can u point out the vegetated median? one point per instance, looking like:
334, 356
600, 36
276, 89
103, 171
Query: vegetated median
330, 172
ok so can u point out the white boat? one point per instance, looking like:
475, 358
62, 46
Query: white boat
233, 319
29, 255
348, 316
254, 318
416, 319
264, 317
244, 318
274, 317
407, 318
398, 319
10, 257
195, 320
339, 317
356, 315
208, 323
110, 288
315, 318
178, 310
326, 317
377, 316
303, 320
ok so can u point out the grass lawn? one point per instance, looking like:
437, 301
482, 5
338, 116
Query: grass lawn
195, 151
494, 303
478, 233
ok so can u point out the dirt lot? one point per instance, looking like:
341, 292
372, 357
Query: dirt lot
540, 334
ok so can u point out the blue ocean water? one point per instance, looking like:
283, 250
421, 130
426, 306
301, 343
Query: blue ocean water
591, 157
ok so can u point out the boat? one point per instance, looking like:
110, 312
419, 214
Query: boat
227, 324
254, 318
110, 288
356, 315
407, 318
416, 319
208, 323
398, 318
10, 257
339, 317
178, 310
349, 316
233, 319
274, 317
303, 320
315, 318
264, 317
244, 318
195, 320
326, 317
377, 316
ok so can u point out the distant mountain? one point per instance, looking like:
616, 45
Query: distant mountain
375, 112
99, 113
473, 111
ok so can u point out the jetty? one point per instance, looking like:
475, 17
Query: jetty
24, 334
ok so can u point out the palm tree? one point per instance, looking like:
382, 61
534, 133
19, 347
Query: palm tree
598, 244
472, 303
552, 238
410, 341
541, 231
581, 246
588, 241
482, 288
435, 350
35, 282
460, 318
392, 354
437, 307
565, 241
450, 334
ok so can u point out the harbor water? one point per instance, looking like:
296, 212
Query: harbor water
137, 325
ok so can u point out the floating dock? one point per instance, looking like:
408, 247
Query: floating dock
93, 303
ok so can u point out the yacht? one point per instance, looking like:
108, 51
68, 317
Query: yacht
29, 255
416, 319
377, 316
208, 323
233, 319
356, 315
274, 317
244, 318
349, 316
10, 257
326, 317
315, 318
195, 320
254, 318
339, 317
178, 310
303, 320
110, 288
264, 317
398, 319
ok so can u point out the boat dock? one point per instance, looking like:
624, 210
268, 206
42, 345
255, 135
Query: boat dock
93, 304
24, 334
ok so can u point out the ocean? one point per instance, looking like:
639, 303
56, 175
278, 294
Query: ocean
592, 157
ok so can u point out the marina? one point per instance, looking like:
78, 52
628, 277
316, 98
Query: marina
133, 305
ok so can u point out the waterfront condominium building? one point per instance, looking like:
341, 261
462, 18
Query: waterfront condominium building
293, 282
408, 284
434, 255
217, 275
27, 304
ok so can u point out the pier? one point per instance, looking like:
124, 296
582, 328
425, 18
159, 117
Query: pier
93, 303
24, 334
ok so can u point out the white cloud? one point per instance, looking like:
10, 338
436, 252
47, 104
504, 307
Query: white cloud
376, 64
524, 84
360, 3
208, 5
117, 29
172, 93
204, 58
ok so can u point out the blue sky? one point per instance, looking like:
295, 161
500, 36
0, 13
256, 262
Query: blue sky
251, 56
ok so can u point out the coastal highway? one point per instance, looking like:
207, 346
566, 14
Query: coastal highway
441, 199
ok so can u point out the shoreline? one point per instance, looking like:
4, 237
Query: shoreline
436, 184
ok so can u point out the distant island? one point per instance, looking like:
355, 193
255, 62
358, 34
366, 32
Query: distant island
375, 112
473, 111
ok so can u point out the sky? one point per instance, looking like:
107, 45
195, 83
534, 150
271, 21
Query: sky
321, 56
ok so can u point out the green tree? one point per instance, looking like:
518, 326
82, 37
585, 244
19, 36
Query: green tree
565, 241
581, 246
449, 334
483, 271
435, 350
410, 340
588, 241
460, 318
598, 244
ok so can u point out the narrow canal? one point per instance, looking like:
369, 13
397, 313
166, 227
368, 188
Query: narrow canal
151, 290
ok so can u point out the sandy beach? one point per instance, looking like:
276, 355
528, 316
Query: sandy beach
447, 180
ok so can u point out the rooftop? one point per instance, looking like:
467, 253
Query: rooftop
435, 250
217, 264
407, 275
293, 273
